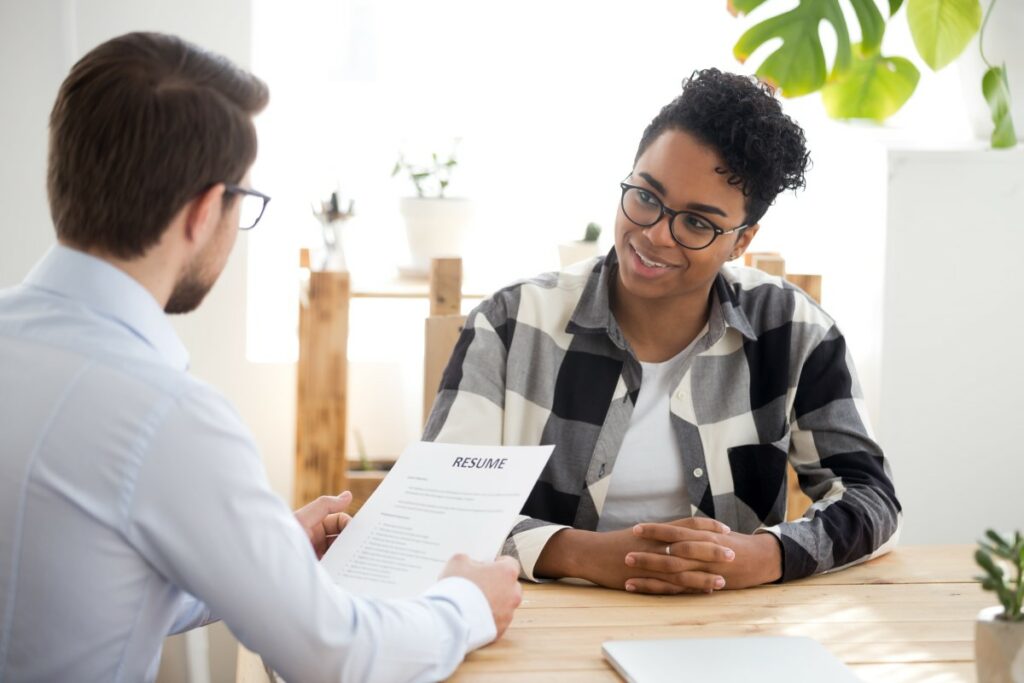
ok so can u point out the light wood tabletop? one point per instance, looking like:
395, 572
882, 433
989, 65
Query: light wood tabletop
907, 616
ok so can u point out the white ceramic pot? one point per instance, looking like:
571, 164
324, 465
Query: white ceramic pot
576, 251
998, 648
435, 228
1002, 45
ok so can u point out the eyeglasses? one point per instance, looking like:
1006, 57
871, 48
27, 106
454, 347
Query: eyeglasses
688, 229
253, 205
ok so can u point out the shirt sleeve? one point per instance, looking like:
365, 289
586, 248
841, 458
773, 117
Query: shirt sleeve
470, 409
855, 514
204, 516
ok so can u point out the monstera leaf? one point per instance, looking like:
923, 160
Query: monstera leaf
942, 28
798, 66
875, 87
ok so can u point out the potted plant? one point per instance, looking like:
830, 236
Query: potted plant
436, 225
580, 250
862, 83
999, 632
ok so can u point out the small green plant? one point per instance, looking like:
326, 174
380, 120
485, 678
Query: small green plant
430, 180
991, 556
592, 233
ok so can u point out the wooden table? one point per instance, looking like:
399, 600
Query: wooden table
908, 616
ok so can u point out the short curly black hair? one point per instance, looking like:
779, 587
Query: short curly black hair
764, 150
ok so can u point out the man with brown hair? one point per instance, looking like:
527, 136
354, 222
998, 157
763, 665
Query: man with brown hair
133, 503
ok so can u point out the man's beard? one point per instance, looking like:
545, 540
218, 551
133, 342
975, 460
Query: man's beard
189, 291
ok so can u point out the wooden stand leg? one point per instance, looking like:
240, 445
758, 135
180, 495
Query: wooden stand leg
321, 465
443, 326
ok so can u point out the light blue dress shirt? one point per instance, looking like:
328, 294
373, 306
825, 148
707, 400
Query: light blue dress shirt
133, 504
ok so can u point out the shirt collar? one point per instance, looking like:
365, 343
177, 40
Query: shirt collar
593, 312
110, 293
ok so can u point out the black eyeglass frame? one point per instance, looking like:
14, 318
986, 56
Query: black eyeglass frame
671, 213
230, 188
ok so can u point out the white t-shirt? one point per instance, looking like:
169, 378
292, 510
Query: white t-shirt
648, 483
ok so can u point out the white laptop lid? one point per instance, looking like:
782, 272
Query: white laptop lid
726, 660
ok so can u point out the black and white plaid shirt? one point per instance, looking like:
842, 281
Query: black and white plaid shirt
543, 361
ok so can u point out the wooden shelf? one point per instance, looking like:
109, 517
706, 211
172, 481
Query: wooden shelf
400, 288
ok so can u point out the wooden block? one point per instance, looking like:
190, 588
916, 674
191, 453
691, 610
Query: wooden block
445, 286
809, 283
771, 263
440, 334
320, 463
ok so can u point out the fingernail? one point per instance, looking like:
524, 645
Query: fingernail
719, 583
630, 560
638, 530
730, 555
725, 529
345, 494
630, 588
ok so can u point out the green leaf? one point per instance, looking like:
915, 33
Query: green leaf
988, 583
894, 6
872, 25
986, 563
874, 88
1004, 552
996, 89
942, 28
396, 169
798, 66
996, 538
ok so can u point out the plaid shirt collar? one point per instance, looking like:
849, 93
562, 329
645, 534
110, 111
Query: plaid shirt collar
593, 312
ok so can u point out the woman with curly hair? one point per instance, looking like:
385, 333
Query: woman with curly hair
675, 384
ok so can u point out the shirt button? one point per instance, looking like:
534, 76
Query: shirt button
698, 473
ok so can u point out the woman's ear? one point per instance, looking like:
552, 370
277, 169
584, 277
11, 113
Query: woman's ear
743, 241
202, 216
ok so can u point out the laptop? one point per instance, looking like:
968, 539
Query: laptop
786, 659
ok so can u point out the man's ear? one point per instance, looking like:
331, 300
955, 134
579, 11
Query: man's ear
744, 240
202, 215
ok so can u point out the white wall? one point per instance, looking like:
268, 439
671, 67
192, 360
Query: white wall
34, 58
953, 341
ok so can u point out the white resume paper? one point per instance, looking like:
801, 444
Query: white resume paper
438, 500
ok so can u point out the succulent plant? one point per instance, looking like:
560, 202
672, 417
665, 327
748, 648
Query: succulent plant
993, 553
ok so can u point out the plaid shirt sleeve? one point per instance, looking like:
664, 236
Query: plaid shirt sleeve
855, 515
